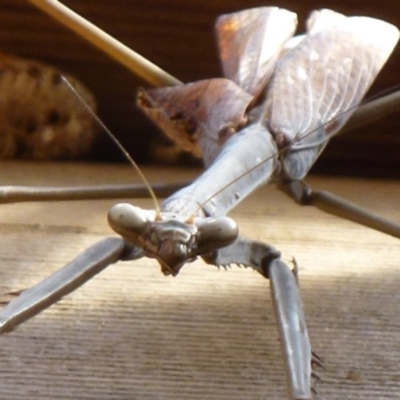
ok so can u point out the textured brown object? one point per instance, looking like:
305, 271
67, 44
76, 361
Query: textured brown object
178, 36
40, 116
131, 333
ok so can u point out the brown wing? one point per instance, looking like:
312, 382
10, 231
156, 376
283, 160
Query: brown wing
249, 44
198, 116
317, 85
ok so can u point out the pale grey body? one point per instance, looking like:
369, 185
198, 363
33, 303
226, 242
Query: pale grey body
313, 88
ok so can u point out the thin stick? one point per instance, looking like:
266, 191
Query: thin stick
136, 63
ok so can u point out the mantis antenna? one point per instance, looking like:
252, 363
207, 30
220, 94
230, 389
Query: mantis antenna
117, 142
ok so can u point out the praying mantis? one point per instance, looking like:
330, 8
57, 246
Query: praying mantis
184, 214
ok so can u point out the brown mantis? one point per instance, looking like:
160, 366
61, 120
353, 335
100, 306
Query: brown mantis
217, 199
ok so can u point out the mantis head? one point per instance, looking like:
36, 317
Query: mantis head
168, 238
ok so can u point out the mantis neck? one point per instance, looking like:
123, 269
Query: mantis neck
246, 161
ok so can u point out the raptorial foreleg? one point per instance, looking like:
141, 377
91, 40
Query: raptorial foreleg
296, 348
62, 282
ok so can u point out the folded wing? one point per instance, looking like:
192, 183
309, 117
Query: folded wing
250, 42
317, 85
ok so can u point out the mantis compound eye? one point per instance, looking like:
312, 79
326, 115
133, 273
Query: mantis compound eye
215, 233
127, 220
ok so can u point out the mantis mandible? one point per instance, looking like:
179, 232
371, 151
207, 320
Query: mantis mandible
283, 128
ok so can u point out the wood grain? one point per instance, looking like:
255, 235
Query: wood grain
178, 36
132, 333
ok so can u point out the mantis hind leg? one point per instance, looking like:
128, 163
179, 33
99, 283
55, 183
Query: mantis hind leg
303, 194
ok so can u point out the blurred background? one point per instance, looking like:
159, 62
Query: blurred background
178, 36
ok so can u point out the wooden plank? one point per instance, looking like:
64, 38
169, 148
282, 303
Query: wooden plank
132, 333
